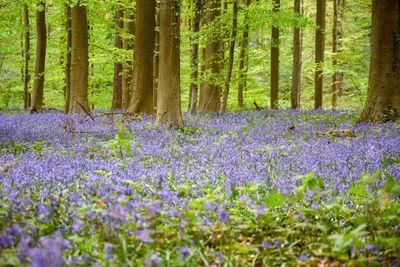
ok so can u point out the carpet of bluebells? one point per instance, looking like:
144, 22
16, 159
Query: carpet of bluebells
247, 189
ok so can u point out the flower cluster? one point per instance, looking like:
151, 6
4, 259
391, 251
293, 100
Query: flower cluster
184, 194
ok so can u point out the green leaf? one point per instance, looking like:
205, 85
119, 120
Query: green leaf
275, 200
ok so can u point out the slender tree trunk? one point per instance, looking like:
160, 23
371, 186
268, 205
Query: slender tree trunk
79, 60
128, 70
319, 52
156, 59
26, 55
169, 101
40, 61
275, 60
194, 83
243, 57
334, 86
67, 70
230, 59
296, 71
117, 88
142, 98
210, 99
383, 100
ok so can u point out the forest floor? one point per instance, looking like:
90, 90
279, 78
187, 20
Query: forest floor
305, 188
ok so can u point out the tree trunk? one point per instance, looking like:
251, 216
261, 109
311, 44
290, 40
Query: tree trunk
383, 100
296, 71
117, 88
243, 57
210, 93
79, 60
194, 83
40, 61
275, 59
319, 52
231, 58
67, 70
337, 77
26, 55
142, 99
156, 60
340, 74
169, 101
128, 70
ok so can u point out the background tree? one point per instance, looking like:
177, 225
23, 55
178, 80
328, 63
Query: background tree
79, 60
40, 60
128, 45
296, 70
194, 78
243, 56
169, 95
210, 100
383, 101
319, 53
117, 88
275, 58
67, 70
230, 58
26, 56
142, 97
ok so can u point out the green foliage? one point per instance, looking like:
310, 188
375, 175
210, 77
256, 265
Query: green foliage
121, 145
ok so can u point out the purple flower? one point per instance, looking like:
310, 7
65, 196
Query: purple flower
153, 261
184, 252
144, 236
223, 216
107, 251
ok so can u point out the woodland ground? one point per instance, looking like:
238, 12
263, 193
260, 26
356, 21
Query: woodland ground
246, 189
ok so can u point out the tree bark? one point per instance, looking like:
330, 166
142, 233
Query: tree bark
243, 57
169, 101
40, 61
275, 59
296, 71
26, 55
210, 98
319, 52
128, 70
67, 70
142, 98
194, 83
337, 77
231, 58
383, 100
79, 60
117, 86
156, 60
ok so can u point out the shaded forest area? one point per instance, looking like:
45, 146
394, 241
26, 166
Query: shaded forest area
223, 55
